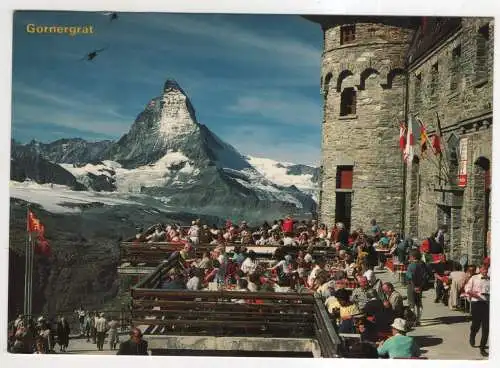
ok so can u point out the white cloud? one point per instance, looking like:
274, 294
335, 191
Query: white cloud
79, 111
286, 108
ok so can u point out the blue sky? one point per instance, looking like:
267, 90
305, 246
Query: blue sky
253, 79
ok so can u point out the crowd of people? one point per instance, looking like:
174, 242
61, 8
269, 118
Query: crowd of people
28, 336
345, 277
356, 299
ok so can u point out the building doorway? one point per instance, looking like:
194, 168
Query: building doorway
343, 209
343, 200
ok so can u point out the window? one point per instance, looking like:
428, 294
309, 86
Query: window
347, 34
417, 89
455, 74
483, 37
348, 102
434, 79
344, 177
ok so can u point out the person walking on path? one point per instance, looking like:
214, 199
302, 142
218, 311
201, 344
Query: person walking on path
81, 319
93, 319
478, 290
113, 333
63, 331
101, 327
88, 325
416, 277
135, 345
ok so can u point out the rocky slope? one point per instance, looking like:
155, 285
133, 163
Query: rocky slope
85, 253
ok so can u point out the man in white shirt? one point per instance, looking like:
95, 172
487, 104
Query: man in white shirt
288, 240
478, 291
249, 265
101, 326
320, 266
194, 233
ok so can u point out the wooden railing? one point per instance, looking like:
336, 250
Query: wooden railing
230, 313
157, 252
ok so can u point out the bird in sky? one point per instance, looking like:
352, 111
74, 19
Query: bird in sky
92, 55
112, 16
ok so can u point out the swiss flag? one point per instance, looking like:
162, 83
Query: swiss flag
402, 136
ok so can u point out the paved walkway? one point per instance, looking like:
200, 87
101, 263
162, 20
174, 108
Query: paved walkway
443, 334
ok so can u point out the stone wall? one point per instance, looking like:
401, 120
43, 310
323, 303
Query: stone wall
462, 98
367, 140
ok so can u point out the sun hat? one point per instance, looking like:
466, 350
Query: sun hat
399, 324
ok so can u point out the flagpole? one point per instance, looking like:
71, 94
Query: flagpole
30, 283
26, 262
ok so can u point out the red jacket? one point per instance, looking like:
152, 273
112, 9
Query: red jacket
288, 226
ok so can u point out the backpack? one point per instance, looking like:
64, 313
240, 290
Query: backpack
420, 276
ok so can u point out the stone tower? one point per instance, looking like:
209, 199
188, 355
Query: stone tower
363, 83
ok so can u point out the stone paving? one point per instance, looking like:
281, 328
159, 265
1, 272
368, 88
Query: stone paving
443, 334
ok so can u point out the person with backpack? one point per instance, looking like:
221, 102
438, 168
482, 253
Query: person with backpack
417, 280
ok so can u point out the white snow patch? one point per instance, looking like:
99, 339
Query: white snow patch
52, 196
278, 175
89, 168
153, 175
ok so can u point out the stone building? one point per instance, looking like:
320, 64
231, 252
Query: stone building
379, 71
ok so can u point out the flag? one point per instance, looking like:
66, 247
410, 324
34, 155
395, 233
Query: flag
423, 138
33, 222
436, 144
35, 226
402, 136
409, 151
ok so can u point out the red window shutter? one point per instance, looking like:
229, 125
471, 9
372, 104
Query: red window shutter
346, 179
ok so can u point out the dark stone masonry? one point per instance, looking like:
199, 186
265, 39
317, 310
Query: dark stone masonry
379, 71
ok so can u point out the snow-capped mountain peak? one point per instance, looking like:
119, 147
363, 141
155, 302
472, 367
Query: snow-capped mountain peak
167, 154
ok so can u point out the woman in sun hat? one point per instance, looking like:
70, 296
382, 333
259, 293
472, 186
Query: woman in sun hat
399, 345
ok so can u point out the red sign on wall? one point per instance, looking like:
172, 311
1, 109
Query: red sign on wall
462, 170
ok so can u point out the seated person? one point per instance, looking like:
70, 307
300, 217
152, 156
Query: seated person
345, 310
399, 345
367, 330
375, 311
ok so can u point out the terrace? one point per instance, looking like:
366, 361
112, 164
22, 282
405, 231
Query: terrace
228, 322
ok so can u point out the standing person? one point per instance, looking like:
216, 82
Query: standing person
88, 326
113, 333
63, 331
135, 346
101, 326
478, 290
81, 319
416, 277
93, 333
375, 231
